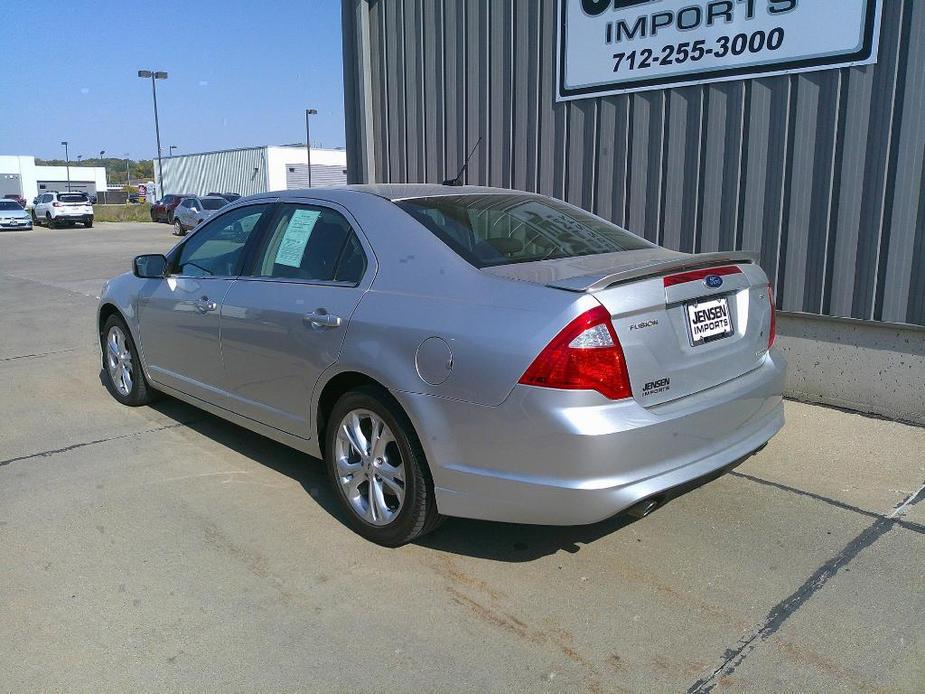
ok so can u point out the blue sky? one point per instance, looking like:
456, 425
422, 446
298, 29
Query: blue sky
241, 73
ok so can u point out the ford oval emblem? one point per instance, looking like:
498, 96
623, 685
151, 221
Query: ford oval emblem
713, 281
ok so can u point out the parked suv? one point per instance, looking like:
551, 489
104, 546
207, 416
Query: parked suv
193, 210
162, 210
55, 209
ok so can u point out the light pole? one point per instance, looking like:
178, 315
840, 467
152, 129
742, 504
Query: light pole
153, 76
128, 176
308, 142
171, 149
79, 157
67, 163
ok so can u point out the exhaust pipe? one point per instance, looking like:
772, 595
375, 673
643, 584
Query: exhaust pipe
643, 508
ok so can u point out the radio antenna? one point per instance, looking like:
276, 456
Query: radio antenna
458, 180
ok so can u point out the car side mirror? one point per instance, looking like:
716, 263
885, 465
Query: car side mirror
152, 266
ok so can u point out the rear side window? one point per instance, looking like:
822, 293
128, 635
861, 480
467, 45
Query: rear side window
73, 197
311, 243
488, 230
213, 203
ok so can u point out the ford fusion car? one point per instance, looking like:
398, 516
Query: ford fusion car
456, 351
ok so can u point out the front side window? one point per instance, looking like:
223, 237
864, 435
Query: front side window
487, 230
217, 249
311, 243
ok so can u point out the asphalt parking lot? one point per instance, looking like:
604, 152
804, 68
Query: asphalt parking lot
162, 548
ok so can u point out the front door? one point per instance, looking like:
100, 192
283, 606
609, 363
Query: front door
284, 322
179, 315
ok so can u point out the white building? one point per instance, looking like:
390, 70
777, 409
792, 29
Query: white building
21, 175
252, 170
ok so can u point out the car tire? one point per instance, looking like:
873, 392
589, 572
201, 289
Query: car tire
178, 229
89, 223
49, 220
122, 372
153, 216
400, 519
169, 217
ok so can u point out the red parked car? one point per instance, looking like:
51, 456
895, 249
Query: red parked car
162, 210
18, 198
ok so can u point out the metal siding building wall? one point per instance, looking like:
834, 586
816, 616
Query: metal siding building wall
241, 171
822, 173
323, 175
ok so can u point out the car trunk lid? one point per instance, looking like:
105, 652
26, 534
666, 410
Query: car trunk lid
657, 300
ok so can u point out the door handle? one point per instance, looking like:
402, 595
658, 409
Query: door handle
204, 305
322, 319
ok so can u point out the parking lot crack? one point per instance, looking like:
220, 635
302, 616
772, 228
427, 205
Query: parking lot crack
896, 516
84, 444
41, 354
781, 612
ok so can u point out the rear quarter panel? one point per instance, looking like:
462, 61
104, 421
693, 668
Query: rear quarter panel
493, 327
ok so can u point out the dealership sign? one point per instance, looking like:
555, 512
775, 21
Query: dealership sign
616, 46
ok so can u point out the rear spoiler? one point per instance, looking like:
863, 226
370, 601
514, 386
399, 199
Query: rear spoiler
601, 280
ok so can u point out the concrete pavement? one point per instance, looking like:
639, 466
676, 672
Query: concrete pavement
162, 548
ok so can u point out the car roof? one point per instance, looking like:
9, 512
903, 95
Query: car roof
393, 191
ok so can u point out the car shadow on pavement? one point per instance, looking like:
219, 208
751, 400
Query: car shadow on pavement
300, 467
507, 542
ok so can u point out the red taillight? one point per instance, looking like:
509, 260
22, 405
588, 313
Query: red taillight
585, 355
683, 277
772, 332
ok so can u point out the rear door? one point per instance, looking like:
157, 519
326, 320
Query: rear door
688, 331
284, 322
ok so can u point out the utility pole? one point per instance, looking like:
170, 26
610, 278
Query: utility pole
308, 142
67, 163
128, 176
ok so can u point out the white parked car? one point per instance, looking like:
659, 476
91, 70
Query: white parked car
56, 209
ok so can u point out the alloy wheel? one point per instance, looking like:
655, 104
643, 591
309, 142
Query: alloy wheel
119, 361
369, 467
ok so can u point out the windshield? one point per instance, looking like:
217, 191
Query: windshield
9, 205
72, 197
213, 203
489, 230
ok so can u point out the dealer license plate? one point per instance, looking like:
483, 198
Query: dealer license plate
709, 320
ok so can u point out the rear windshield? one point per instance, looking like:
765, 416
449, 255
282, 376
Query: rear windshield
213, 203
9, 205
489, 230
73, 197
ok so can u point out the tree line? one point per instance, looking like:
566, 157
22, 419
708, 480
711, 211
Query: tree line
142, 170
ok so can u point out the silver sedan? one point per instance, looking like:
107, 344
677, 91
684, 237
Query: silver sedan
195, 210
456, 351
13, 216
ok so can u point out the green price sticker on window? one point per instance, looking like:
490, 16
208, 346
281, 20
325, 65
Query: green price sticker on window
295, 238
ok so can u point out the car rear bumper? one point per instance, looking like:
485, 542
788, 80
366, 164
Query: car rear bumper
571, 458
